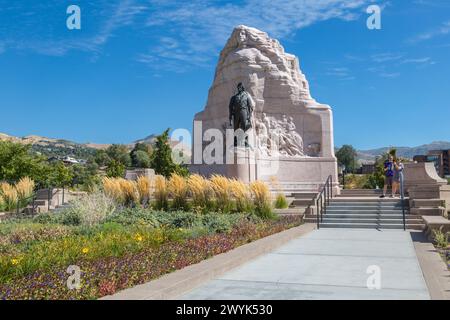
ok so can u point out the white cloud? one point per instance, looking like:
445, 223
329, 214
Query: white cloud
442, 30
385, 57
204, 26
103, 17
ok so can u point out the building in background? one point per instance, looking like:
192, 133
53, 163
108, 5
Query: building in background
441, 160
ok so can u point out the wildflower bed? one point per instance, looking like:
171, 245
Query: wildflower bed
122, 251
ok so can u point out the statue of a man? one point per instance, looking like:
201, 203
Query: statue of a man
241, 109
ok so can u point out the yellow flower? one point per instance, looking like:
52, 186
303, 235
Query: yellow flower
138, 237
15, 262
180, 229
85, 250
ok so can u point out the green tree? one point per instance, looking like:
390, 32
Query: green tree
115, 169
141, 159
119, 153
161, 160
347, 156
140, 155
101, 158
61, 175
17, 161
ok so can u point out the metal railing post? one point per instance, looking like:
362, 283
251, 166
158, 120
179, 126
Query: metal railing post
317, 213
402, 196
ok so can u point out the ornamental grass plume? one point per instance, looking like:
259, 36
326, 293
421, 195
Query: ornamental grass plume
9, 195
161, 193
25, 188
144, 188
111, 187
242, 196
129, 191
261, 199
221, 188
200, 190
178, 190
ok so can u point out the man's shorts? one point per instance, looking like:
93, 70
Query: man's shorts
388, 181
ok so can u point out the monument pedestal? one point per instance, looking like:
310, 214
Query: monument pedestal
243, 166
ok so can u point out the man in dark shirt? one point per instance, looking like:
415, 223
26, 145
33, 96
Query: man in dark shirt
388, 175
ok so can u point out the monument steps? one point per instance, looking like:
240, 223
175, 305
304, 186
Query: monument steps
372, 226
367, 211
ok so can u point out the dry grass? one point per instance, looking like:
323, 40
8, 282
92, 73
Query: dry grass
222, 192
9, 195
144, 188
25, 188
120, 190
261, 199
129, 190
200, 190
161, 193
178, 190
112, 189
242, 195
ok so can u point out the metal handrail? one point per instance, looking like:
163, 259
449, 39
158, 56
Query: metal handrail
402, 196
323, 199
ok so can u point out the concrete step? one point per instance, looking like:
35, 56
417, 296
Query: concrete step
368, 216
428, 203
373, 220
398, 226
356, 192
303, 195
366, 200
428, 211
364, 211
289, 211
302, 202
352, 207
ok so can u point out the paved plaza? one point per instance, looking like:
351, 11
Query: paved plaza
326, 264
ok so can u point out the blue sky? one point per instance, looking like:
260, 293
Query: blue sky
138, 67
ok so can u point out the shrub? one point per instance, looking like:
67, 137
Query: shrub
221, 188
261, 199
161, 193
242, 196
281, 201
89, 210
134, 216
441, 238
178, 190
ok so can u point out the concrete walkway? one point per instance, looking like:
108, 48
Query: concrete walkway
326, 264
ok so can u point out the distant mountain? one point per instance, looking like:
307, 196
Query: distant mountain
404, 152
60, 147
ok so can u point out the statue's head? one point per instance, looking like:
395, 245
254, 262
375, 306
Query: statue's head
240, 87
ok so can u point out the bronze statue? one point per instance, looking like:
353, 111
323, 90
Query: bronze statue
241, 109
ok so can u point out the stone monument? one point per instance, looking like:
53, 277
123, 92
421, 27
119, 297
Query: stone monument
290, 135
